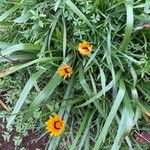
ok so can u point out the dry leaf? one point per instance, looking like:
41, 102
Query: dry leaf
4, 105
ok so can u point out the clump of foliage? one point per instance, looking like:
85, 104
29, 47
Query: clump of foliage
108, 92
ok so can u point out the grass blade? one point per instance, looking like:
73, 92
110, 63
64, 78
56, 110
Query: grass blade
46, 92
86, 132
81, 129
23, 96
126, 123
64, 39
111, 115
18, 67
129, 25
103, 80
31, 48
73, 7
63, 111
8, 13
89, 92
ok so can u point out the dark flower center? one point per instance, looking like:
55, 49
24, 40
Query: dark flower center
57, 124
67, 70
86, 49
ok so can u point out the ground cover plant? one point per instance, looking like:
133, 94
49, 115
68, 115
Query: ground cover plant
79, 70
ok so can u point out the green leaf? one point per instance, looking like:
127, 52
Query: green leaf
46, 92
103, 80
111, 115
89, 92
86, 132
64, 39
83, 82
23, 96
97, 96
58, 2
134, 75
91, 58
4, 45
129, 25
73, 7
81, 129
19, 67
31, 48
20, 57
52, 27
8, 13
126, 123
64, 111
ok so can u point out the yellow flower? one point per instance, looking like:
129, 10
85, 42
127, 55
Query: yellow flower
85, 48
55, 125
65, 71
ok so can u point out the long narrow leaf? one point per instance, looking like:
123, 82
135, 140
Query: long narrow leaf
111, 115
53, 144
73, 7
8, 13
23, 96
31, 48
129, 25
18, 67
81, 129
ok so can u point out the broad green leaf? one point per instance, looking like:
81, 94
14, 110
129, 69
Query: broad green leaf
22, 19
126, 123
20, 58
4, 45
31, 48
58, 2
46, 92
24, 16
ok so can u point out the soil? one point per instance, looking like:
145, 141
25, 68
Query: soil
29, 142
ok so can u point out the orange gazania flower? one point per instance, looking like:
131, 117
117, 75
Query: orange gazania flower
85, 48
65, 71
55, 125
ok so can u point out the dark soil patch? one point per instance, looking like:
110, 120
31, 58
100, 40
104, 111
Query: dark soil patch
29, 142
